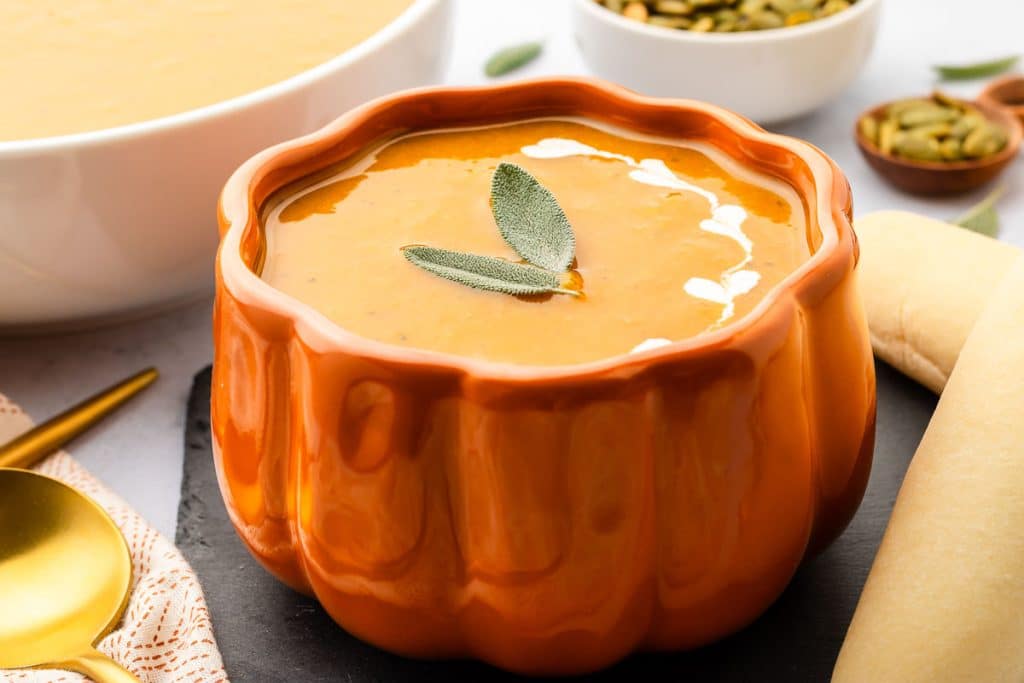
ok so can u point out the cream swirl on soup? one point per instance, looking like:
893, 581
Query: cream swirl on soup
672, 240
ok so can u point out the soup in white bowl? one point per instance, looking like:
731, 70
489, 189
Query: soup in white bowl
109, 220
81, 65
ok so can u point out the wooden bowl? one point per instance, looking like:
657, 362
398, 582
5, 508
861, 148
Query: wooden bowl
937, 177
1006, 92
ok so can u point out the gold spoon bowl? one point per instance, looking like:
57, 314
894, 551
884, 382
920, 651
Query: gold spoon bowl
65, 574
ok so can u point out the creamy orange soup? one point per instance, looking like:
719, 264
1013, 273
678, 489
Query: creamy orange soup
672, 241
70, 66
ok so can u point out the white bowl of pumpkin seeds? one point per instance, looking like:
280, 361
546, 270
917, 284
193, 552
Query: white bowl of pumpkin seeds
770, 60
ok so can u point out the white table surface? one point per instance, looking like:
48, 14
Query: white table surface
139, 452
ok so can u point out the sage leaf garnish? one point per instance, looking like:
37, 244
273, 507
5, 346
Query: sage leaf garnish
511, 58
983, 217
486, 272
532, 223
962, 72
530, 219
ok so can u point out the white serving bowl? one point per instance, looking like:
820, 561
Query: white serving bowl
118, 222
768, 76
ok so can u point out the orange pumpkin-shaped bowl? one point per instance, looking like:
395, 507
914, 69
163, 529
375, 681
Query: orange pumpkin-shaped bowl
544, 519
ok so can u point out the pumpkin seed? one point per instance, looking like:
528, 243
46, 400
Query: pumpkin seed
703, 25
669, 22
918, 148
786, 6
799, 17
766, 19
675, 7
931, 130
926, 114
950, 149
936, 128
886, 135
947, 101
983, 141
974, 143
833, 7
636, 11
869, 128
721, 16
899, 106
966, 124
748, 7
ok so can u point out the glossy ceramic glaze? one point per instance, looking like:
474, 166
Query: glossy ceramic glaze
544, 519
117, 222
769, 76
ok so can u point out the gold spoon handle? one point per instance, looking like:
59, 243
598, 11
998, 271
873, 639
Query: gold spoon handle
44, 439
98, 667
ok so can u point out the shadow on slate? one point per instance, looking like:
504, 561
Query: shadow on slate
267, 632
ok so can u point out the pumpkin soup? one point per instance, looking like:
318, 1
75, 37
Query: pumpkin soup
669, 240
71, 66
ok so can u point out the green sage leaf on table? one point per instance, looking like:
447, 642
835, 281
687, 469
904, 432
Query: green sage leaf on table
511, 58
486, 272
982, 217
962, 72
530, 219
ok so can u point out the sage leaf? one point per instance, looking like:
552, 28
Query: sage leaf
962, 72
486, 272
530, 219
511, 58
983, 217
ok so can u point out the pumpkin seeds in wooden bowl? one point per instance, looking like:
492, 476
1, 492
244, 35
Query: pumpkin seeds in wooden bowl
726, 16
938, 144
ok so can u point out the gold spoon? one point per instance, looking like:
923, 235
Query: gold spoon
55, 432
65, 569
65, 572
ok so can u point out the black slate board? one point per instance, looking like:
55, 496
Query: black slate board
268, 633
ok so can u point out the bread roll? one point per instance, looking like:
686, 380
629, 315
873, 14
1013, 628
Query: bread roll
924, 284
944, 601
